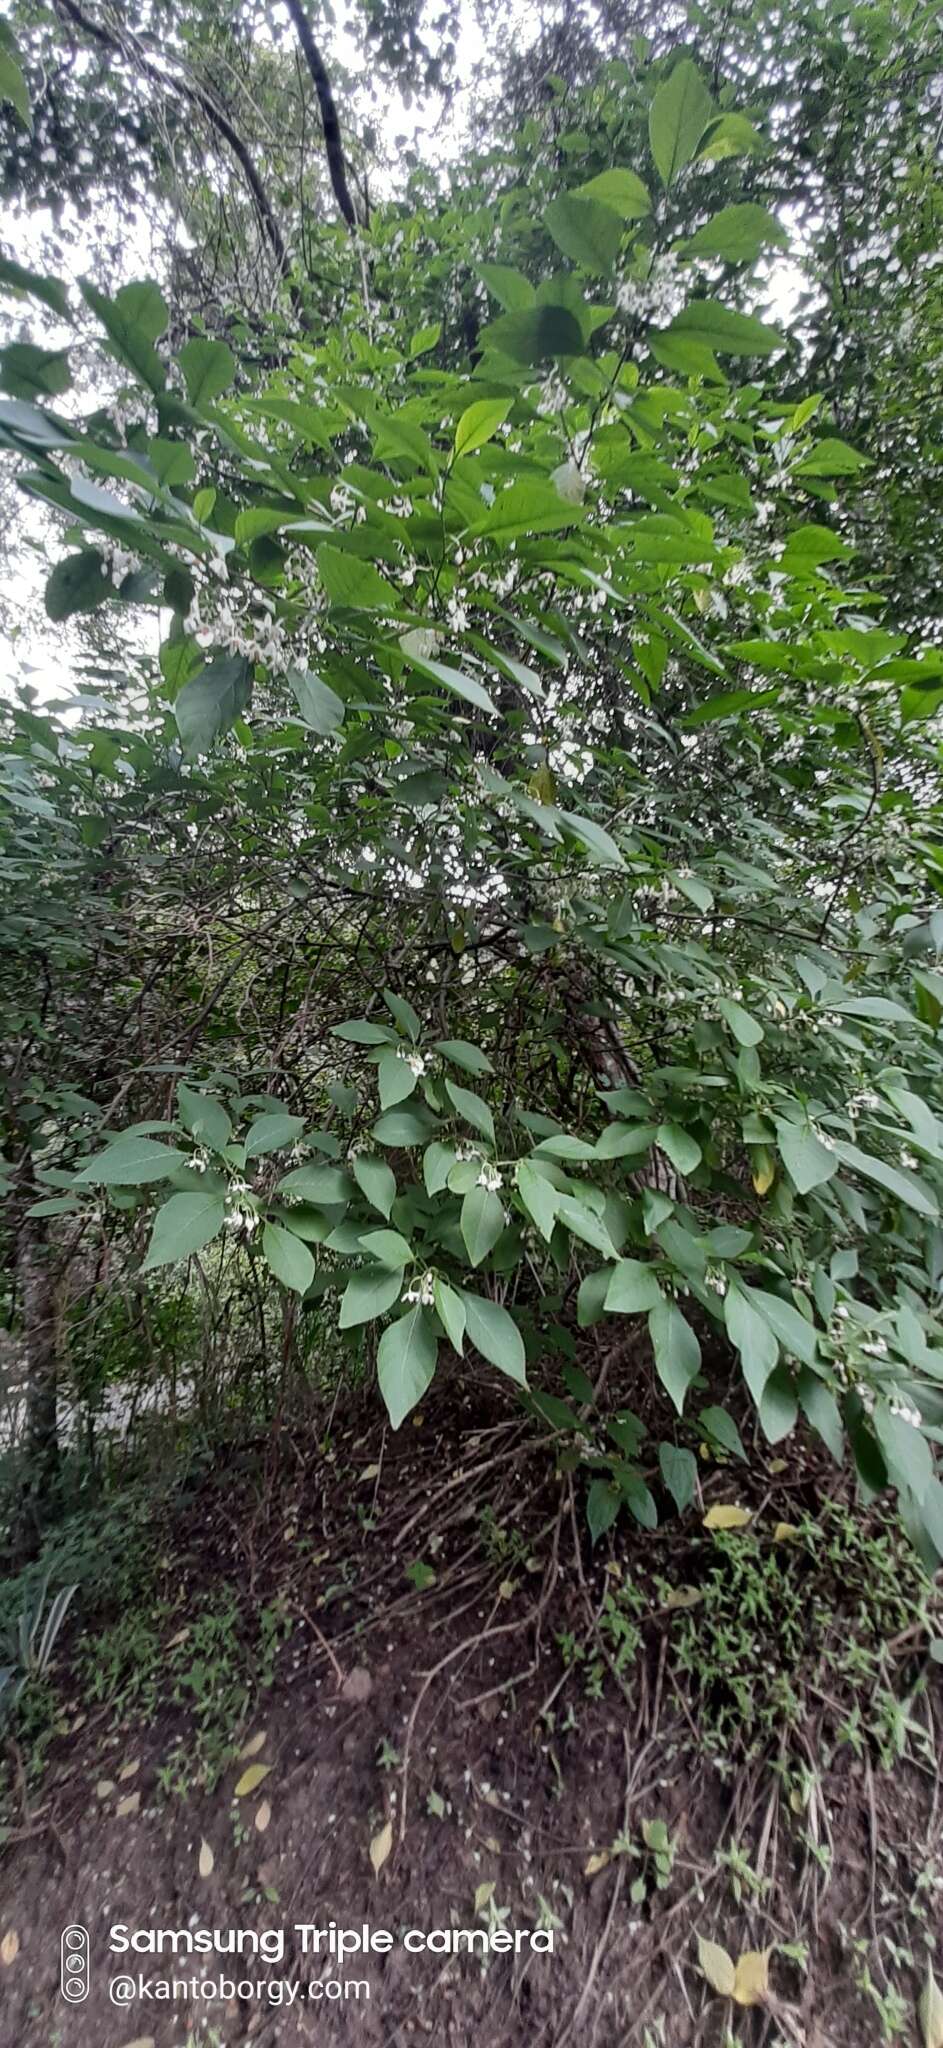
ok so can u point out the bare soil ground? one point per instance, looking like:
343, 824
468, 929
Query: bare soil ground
443, 1724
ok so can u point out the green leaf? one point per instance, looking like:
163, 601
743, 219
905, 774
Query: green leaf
620, 190
677, 1351
451, 1312
320, 706
721, 1427
737, 234
511, 289
327, 1185
210, 704
406, 1362
289, 1259
778, 1406
472, 1108
715, 327
538, 1196
402, 1014
679, 114
464, 1055
583, 1223
638, 1499
745, 1028
596, 841
354, 583
479, 422
603, 1502
182, 1226
204, 1117
268, 1133
396, 1078
633, 1289
754, 1339
437, 1163
456, 680
130, 1162
13, 87
209, 367
369, 1294
586, 231
531, 335
495, 1334
47, 289
808, 1162
389, 1247
482, 1221
133, 320
796, 1334
679, 1472
904, 1186
376, 1180
679, 1146
906, 1451
360, 1031
79, 583
403, 1127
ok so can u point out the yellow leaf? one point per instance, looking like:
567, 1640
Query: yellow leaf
126, 1807
785, 1532
484, 1895
507, 1589
380, 1847
263, 1817
930, 2012
717, 1967
751, 1978
726, 1517
594, 1864
764, 1171
255, 1743
207, 1860
9, 1948
682, 1596
542, 786
251, 1779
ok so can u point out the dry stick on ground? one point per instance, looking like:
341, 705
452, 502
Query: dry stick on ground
601, 1945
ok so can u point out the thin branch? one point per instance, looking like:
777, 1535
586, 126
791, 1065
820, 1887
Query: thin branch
329, 119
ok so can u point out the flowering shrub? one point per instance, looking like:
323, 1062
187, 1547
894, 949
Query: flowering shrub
528, 630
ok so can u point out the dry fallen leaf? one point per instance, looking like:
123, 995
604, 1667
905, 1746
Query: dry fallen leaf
180, 1637
484, 1895
717, 1966
930, 2012
252, 1779
682, 1596
597, 1862
142, 2041
130, 1770
357, 1686
263, 1816
9, 1948
104, 1788
751, 1977
207, 1860
725, 1516
125, 1807
380, 1847
254, 1744
369, 1472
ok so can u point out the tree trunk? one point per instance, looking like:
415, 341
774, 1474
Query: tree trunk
38, 1320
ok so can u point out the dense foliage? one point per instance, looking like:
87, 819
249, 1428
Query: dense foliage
490, 882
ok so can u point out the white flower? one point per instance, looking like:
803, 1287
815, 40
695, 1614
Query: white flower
909, 1159
413, 1060
490, 1178
421, 1290
200, 1159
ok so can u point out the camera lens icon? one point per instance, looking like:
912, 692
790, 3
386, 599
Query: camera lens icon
73, 1973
